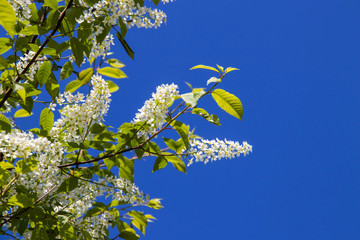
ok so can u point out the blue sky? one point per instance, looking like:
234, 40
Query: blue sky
299, 85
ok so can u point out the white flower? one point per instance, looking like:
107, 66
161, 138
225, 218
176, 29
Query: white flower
212, 150
155, 110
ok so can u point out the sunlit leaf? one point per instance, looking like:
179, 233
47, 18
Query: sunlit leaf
228, 102
112, 72
7, 17
204, 67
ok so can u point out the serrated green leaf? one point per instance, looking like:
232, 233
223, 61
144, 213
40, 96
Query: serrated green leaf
43, 74
112, 86
51, 3
46, 119
228, 102
213, 80
112, 72
73, 86
21, 113
5, 45
66, 70
204, 67
230, 69
7, 17
115, 63
160, 163
4, 123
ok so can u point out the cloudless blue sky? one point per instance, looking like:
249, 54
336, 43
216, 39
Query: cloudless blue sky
299, 84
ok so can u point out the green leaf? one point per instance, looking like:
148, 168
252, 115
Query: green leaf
68, 185
22, 113
4, 123
177, 162
125, 45
20, 200
228, 102
46, 119
139, 220
26, 165
43, 74
33, 30
203, 113
126, 168
39, 233
77, 49
156, 2
176, 146
155, 203
115, 63
67, 232
20, 90
52, 86
22, 225
213, 80
51, 3
193, 97
112, 86
220, 67
7, 17
123, 28
160, 163
129, 234
3, 63
204, 67
230, 69
66, 70
5, 45
73, 86
85, 76
183, 136
112, 72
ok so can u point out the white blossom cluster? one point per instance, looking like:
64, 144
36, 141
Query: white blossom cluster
211, 150
127, 10
21, 9
24, 60
155, 110
78, 114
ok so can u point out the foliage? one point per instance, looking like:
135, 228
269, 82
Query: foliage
72, 176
